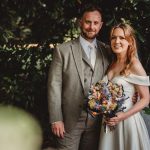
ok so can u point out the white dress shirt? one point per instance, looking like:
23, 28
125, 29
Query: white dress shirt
89, 48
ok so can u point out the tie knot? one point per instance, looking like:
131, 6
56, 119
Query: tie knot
91, 46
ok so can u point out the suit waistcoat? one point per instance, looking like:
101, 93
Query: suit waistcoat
90, 72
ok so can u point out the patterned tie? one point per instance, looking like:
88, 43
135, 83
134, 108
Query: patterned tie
92, 55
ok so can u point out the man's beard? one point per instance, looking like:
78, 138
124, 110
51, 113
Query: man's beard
86, 36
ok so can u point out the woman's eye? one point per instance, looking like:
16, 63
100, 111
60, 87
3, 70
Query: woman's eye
122, 37
112, 38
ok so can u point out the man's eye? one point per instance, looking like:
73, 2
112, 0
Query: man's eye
96, 23
87, 22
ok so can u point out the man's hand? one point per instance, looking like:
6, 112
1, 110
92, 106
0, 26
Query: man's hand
135, 97
58, 129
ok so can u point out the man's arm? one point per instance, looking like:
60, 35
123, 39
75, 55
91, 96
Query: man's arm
54, 94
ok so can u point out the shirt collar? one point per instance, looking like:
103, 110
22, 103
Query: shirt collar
86, 43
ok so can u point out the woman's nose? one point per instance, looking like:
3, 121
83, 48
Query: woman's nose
117, 40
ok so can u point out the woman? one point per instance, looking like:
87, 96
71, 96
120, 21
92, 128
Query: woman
130, 132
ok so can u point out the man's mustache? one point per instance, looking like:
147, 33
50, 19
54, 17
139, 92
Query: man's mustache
90, 30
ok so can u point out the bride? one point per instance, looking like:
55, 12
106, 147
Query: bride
130, 132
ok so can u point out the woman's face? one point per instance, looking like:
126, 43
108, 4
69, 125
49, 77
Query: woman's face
119, 44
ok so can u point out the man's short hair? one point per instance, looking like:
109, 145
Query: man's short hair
89, 8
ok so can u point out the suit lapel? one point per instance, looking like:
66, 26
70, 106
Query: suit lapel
77, 54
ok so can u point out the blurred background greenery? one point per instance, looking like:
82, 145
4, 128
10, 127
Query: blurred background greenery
45, 23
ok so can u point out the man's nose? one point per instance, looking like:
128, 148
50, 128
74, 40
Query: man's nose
92, 25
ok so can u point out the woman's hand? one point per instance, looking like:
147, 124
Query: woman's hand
120, 116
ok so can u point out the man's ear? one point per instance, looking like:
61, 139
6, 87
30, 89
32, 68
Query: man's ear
79, 22
101, 25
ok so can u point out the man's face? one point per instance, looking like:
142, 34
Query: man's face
90, 25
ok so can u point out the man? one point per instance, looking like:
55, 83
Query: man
75, 67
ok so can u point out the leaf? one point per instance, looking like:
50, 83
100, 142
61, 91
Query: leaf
147, 110
141, 38
109, 22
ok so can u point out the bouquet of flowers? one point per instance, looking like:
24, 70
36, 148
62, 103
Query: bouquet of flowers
106, 98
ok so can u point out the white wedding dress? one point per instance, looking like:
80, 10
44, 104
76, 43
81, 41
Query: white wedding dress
130, 134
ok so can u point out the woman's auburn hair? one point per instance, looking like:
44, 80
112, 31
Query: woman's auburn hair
132, 49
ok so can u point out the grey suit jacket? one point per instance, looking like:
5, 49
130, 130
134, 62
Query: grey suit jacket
66, 81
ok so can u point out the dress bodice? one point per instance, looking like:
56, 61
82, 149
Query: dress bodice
131, 133
128, 83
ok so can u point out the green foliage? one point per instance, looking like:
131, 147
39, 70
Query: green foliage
32, 21
147, 110
39, 20
23, 74
24, 70
23, 81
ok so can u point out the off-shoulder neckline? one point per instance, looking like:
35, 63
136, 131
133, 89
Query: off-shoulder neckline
130, 75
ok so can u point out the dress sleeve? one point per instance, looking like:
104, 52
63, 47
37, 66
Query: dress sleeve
139, 80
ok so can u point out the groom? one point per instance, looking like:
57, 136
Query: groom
76, 65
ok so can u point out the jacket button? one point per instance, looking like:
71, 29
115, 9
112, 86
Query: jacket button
85, 80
